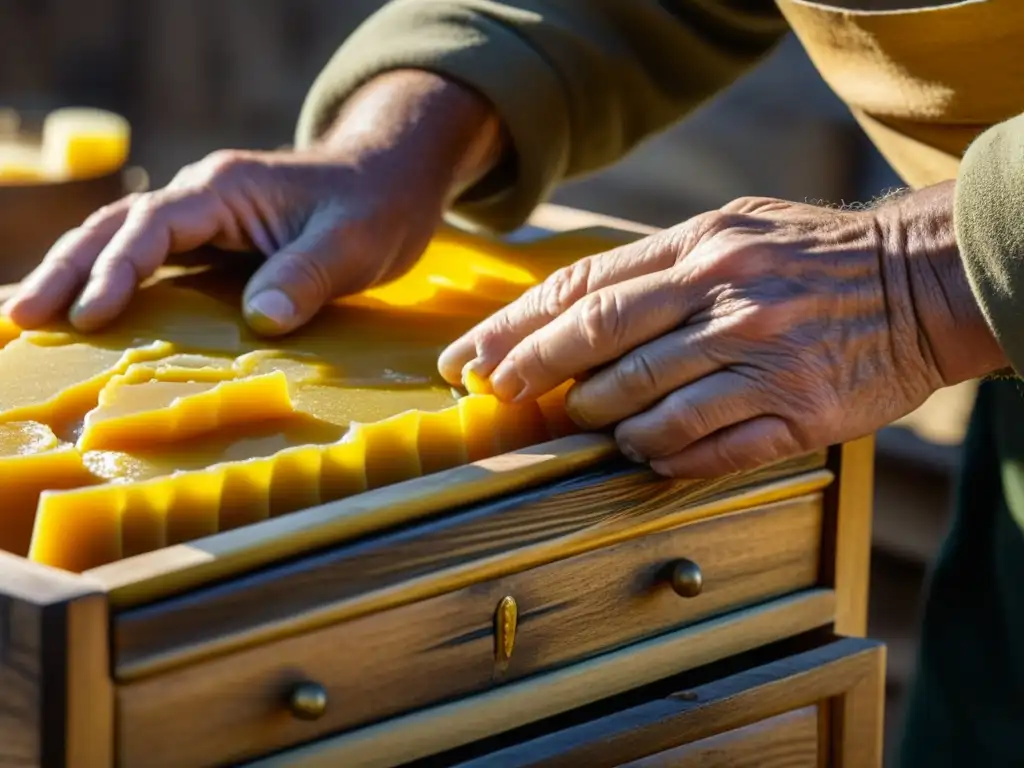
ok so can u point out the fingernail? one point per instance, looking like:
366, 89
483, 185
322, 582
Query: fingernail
507, 385
631, 453
270, 311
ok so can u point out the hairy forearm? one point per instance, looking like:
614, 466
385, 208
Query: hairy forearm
920, 232
421, 124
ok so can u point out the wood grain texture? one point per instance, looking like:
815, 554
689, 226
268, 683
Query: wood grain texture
430, 731
851, 499
789, 740
56, 696
145, 578
489, 542
857, 719
444, 648
821, 676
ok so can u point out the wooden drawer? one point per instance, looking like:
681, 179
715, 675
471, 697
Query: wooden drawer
378, 666
788, 740
816, 708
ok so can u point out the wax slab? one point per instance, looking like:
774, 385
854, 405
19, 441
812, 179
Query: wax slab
179, 423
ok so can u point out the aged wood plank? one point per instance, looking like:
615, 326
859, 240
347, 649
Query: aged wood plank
810, 678
53, 641
444, 648
858, 719
141, 579
522, 532
848, 565
789, 740
428, 732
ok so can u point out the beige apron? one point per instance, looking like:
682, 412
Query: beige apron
922, 77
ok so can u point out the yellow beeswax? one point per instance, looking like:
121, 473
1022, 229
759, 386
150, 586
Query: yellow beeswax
133, 414
59, 379
193, 425
440, 441
81, 143
189, 504
476, 384
552, 408
392, 449
32, 460
8, 331
21, 163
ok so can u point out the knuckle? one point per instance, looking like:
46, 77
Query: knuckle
104, 214
563, 288
716, 222
747, 204
311, 274
599, 320
637, 375
490, 337
224, 161
216, 167
744, 257
145, 208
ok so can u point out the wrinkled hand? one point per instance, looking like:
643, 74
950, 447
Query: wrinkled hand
743, 336
355, 211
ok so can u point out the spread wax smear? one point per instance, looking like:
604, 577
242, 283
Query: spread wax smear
178, 422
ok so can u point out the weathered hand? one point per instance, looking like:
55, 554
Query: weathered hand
356, 210
745, 335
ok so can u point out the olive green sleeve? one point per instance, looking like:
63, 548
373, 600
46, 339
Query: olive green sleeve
989, 216
578, 83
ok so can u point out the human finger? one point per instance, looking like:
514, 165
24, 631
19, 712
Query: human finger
487, 344
690, 414
599, 328
741, 447
641, 377
52, 285
319, 265
156, 225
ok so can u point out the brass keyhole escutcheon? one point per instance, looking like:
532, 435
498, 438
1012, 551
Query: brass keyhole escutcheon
686, 578
506, 622
308, 701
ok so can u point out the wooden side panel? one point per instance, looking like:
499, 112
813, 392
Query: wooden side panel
56, 694
858, 719
789, 740
852, 495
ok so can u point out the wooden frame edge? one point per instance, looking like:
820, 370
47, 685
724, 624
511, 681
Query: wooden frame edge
147, 577
55, 657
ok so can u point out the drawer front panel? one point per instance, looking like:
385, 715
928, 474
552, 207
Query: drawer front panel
790, 740
823, 706
377, 666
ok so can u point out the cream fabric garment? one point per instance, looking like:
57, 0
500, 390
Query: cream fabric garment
922, 77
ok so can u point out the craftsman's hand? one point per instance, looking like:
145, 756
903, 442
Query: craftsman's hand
356, 210
749, 334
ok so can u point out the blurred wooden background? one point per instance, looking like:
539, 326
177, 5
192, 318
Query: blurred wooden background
197, 75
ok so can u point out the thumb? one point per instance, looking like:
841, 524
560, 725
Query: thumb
295, 283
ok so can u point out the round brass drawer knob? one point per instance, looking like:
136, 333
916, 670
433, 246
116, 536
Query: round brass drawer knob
308, 701
687, 580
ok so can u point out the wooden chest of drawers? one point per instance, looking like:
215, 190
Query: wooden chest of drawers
555, 606
603, 615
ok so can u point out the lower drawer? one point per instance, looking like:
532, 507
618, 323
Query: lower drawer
817, 708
